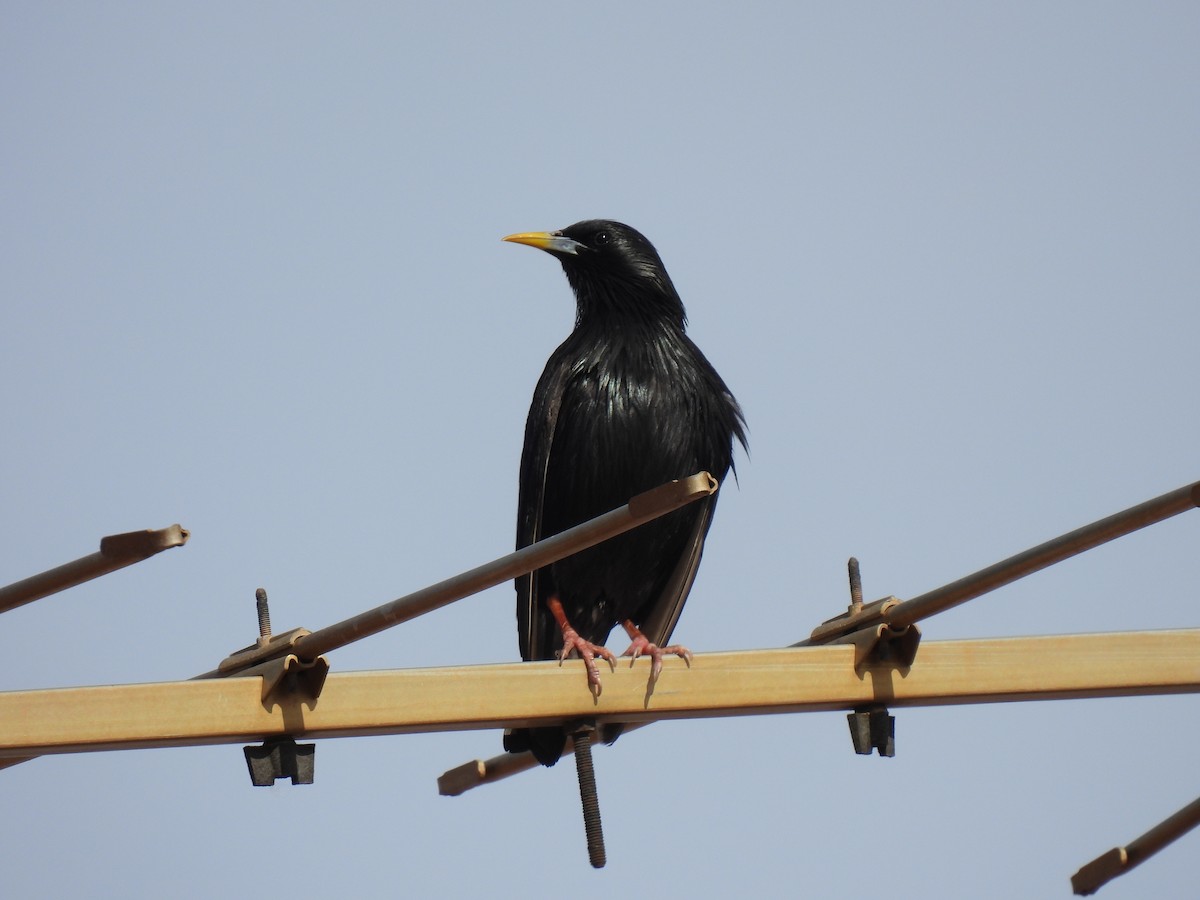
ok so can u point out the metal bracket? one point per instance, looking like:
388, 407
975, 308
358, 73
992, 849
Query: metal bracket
284, 675
282, 672
261, 651
289, 676
883, 645
875, 640
876, 643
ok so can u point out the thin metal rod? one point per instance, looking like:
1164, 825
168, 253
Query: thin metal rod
1120, 860
1043, 555
889, 611
641, 509
116, 552
479, 772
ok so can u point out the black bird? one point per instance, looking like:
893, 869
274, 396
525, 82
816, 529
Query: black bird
626, 403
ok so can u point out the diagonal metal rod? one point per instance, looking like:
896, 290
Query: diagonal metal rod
479, 772
1120, 860
116, 552
641, 509
1043, 555
1013, 568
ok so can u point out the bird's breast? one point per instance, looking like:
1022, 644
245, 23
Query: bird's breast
630, 419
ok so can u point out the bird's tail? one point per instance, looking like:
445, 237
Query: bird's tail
547, 744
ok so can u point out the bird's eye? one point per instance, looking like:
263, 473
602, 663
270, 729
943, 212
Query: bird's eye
602, 238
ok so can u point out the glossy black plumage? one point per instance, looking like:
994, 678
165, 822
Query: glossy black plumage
626, 403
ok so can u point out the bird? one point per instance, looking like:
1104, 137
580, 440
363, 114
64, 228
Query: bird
627, 402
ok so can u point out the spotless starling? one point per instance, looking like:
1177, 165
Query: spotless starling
626, 403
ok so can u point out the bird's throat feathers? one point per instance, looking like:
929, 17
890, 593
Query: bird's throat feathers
616, 301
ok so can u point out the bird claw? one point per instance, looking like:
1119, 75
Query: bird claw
642, 645
573, 643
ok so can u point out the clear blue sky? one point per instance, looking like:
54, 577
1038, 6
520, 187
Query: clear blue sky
253, 282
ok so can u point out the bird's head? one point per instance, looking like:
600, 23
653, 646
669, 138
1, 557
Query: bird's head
613, 270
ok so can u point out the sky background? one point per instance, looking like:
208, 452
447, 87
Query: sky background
252, 281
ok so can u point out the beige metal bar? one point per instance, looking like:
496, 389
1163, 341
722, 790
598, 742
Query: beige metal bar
1120, 860
116, 552
232, 710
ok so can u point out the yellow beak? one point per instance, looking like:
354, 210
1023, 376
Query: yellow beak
544, 240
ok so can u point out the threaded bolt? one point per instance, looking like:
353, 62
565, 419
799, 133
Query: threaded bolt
856, 601
264, 615
587, 794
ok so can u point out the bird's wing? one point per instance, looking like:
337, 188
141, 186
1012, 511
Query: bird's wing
665, 614
535, 458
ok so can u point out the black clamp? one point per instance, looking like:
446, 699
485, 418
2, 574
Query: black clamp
872, 728
280, 758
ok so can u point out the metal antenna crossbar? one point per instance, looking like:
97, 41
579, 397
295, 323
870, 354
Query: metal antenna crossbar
310, 645
116, 551
908, 612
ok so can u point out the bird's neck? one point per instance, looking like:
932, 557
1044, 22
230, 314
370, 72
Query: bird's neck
615, 306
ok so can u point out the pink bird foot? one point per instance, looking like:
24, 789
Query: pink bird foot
573, 643
642, 645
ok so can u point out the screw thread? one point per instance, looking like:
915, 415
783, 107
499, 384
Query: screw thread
591, 802
264, 613
856, 600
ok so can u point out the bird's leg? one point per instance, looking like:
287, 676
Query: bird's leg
642, 644
586, 649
